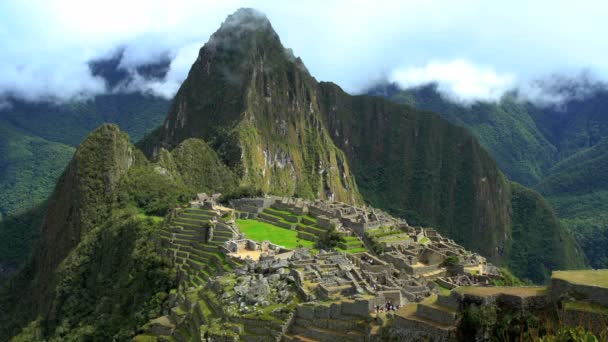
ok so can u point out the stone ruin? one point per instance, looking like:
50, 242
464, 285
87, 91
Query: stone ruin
204, 201
245, 248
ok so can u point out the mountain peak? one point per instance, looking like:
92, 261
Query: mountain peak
246, 18
242, 26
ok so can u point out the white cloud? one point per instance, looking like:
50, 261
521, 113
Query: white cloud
458, 79
178, 71
47, 44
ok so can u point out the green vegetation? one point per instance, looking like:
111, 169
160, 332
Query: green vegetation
538, 235
562, 152
17, 234
260, 231
574, 334
507, 279
329, 239
417, 165
150, 190
92, 253
352, 250
586, 307
29, 168
201, 169
506, 129
69, 123
37, 141
578, 190
119, 262
450, 261
584, 277
240, 192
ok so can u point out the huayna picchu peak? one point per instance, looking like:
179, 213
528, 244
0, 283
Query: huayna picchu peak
272, 207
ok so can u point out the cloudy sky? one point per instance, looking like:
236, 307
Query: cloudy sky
473, 49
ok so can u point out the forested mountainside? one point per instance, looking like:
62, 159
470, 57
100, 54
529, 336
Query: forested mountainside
37, 141
556, 149
281, 131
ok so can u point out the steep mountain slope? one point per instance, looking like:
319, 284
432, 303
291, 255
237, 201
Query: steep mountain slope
280, 131
37, 141
416, 163
578, 189
29, 166
558, 150
95, 248
506, 129
578, 123
256, 105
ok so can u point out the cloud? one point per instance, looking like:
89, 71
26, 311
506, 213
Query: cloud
458, 79
168, 86
557, 89
47, 45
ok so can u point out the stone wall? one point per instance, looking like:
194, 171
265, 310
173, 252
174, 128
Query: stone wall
596, 294
593, 321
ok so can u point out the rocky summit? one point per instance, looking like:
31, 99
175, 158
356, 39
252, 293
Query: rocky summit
271, 207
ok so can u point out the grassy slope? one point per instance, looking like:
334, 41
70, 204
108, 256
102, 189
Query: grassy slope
585, 277
260, 231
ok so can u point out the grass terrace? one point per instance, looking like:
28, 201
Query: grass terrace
584, 277
352, 250
156, 219
523, 291
284, 213
260, 231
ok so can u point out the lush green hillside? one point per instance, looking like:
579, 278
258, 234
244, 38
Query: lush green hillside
577, 124
96, 248
561, 151
29, 168
506, 129
578, 189
417, 165
69, 123
538, 235
36, 144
